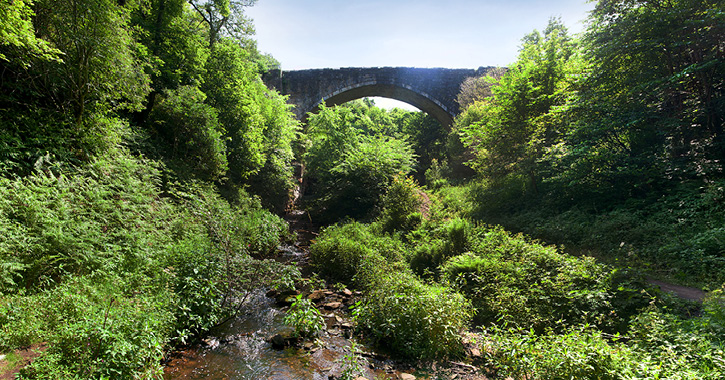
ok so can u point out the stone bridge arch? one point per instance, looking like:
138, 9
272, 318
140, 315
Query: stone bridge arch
433, 91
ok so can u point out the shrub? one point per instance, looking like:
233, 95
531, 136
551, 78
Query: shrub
351, 170
304, 318
577, 353
351, 253
191, 132
93, 329
668, 347
443, 241
413, 319
95, 262
515, 281
107, 215
400, 206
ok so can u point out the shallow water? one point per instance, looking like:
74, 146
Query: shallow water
241, 350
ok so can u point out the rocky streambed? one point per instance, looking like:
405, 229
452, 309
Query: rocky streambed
259, 345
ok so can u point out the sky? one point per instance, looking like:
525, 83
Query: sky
307, 34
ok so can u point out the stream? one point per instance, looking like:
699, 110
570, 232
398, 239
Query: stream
242, 348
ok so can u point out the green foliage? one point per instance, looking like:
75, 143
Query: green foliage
413, 319
176, 47
351, 253
578, 353
104, 255
401, 206
101, 69
350, 168
658, 105
304, 317
190, 129
514, 281
439, 242
477, 89
509, 130
94, 329
674, 235
224, 18
232, 86
96, 263
658, 348
17, 32
351, 367
259, 126
78, 222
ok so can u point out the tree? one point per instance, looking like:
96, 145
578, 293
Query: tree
17, 32
351, 164
190, 131
655, 94
479, 88
224, 18
508, 131
101, 69
178, 49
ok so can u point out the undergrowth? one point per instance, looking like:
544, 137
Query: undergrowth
112, 267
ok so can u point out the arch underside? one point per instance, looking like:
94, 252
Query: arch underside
397, 92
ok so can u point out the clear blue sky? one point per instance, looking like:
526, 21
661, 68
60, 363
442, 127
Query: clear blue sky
305, 34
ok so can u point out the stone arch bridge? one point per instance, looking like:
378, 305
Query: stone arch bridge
433, 91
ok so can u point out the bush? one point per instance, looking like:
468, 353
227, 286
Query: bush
93, 329
304, 318
95, 262
439, 243
412, 319
666, 346
190, 131
350, 166
78, 221
512, 280
659, 346
577, 353
351, 253
401, 205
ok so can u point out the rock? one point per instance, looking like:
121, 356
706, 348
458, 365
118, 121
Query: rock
332, 305
347, 293
211, 342
317, 295
406, 376
361, 378
475, 353
278, 341
285, 301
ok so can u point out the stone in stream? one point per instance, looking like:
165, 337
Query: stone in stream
406, 376
280, 341
332, 305
316, 296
